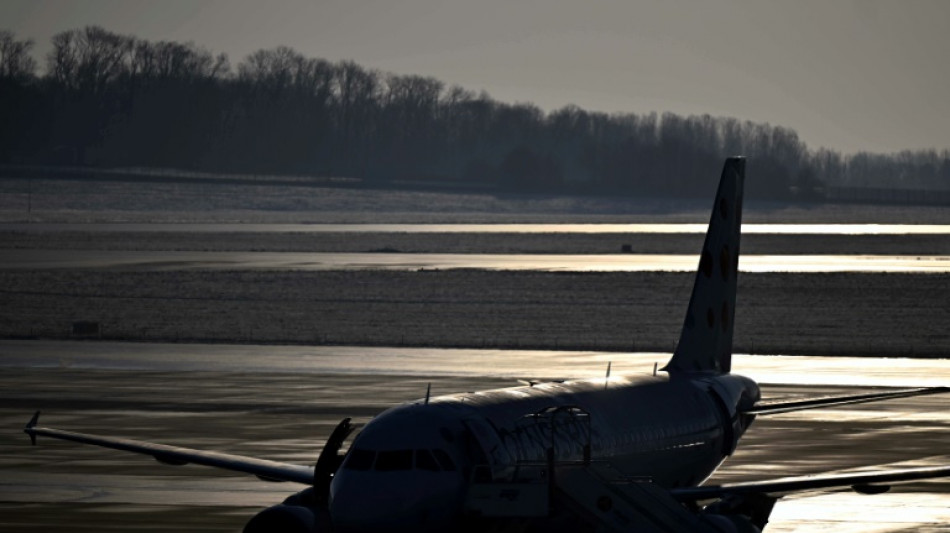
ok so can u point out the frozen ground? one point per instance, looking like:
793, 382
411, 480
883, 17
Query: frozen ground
855, 314
882, 314
467, 243
48, 200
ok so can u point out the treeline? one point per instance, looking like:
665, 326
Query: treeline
112, 100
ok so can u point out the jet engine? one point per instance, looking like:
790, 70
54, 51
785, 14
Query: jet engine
299, 513
306, 511
731, 524
290, 519
746, 513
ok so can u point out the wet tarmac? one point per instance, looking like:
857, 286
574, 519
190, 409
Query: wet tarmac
281, 403
179, 260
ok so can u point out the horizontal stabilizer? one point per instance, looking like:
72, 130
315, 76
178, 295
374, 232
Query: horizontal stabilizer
862, 482
774, 408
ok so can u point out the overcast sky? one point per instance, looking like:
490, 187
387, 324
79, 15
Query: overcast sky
849, 75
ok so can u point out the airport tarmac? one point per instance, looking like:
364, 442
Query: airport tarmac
154, 261
281, 403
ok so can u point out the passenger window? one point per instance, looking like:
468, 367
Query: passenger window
425, 461
392, 460
359, 459
444, 460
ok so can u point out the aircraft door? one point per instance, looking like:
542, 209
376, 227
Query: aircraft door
499, 461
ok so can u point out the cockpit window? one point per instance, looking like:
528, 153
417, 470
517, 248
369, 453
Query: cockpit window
444, 460
359, 459
425, 461
393, 460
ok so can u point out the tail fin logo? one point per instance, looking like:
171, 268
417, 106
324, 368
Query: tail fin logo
705, 343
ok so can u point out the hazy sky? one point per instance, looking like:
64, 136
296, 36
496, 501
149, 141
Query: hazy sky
846, 74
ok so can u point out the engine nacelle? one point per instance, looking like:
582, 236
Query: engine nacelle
290, 518
747, 513
731, 523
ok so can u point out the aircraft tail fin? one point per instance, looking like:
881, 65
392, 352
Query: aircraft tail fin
705, 344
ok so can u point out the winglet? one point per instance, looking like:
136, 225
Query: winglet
705, 344
29, 427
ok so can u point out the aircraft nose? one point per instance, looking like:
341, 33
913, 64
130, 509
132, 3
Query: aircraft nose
362, 501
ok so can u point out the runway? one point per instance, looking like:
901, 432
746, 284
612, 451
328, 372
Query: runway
281, 402
151, 261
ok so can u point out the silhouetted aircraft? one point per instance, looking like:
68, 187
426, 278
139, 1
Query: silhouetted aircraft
622, 453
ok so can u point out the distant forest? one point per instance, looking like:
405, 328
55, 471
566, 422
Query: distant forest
111, 100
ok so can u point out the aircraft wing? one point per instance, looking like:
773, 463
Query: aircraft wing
863, 482
174, 455
772, 408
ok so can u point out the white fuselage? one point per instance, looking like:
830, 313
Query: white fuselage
673, 430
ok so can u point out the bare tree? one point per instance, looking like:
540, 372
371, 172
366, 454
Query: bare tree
89, 59
166, 60
114, 99
63, 60
15, 60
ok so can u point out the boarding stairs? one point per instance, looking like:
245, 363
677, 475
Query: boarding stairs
602, 496
594, 492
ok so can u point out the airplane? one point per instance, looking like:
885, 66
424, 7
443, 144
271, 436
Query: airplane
620, 453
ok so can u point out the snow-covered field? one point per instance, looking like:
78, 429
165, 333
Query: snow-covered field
880, 314
840, 314
466, 243
50, 200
